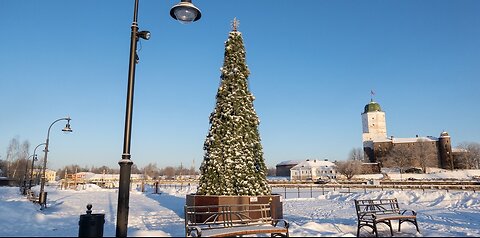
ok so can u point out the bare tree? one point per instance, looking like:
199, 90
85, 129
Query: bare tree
470, 158
135, 169
356, 154
16, 160
271, 171
20, 161
12, 152
400, 157
3, 165
168, 171
151, 170
424, 154
102, 169
349, 168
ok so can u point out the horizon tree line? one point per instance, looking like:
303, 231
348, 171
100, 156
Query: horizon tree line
13, 165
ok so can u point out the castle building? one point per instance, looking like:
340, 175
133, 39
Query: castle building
377, 145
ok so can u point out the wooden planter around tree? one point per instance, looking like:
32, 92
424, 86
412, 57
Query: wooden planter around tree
276, 205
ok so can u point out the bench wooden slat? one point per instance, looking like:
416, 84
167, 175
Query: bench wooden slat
245, 230
232, 220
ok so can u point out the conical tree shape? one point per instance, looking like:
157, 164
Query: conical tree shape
233, 162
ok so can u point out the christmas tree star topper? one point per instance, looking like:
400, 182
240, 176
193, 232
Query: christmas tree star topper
235, 24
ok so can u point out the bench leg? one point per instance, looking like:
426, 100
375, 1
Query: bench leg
358, 230
416, 225
412, 221
279, 234
390, 225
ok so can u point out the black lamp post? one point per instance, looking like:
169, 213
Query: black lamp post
24, 191
42, 194
33, 162
24, 185
185, 12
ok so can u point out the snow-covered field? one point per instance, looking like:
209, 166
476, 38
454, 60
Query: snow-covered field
440, 213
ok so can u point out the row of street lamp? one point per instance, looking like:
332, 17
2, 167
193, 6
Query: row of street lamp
42, 194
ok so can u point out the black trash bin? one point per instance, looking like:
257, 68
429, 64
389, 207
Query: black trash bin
91, 225
42, 199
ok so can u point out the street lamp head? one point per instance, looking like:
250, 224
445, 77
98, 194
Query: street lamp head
144, 35
67, 127
185, 12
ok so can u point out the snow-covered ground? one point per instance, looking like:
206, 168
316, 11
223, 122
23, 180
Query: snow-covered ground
432, 174
440, 213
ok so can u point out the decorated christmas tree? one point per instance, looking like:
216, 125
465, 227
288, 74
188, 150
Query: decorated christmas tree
233, 162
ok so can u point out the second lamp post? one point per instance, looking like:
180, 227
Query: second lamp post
42, 197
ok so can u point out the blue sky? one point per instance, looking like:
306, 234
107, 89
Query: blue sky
313, 65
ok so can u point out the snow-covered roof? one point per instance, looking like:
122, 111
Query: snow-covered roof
406, 140
412, 140
86, 175
105, 176
459, 150
289, 162
313, 164
93, 176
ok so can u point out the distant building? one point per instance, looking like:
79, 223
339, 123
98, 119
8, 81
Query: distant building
4, 181
377, 145
50, 175
283, 168
102, 180
312, 170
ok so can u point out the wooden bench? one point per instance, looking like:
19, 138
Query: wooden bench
31, 196
232, 220
373, 211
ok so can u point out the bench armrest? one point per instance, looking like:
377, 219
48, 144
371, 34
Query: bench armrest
409, 211
367, 216
285, 223
194, 231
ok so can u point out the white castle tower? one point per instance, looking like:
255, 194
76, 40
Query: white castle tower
374, 125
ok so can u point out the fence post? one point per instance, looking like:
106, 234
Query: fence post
285, 189
311, 193
323, 189
298, 191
